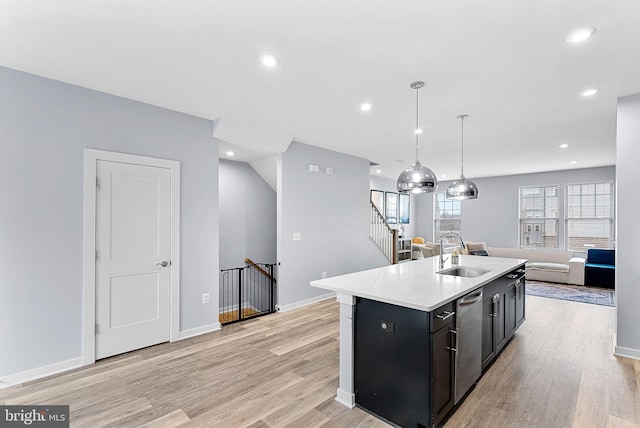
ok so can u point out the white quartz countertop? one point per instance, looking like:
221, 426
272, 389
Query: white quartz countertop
417, 284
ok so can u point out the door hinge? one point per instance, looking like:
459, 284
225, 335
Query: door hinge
97, 183
97, 255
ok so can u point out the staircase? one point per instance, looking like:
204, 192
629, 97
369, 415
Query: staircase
382, 234
247, 292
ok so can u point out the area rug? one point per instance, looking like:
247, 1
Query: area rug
575, 293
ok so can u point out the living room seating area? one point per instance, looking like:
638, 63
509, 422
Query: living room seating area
600, 268
555, 266
547, 265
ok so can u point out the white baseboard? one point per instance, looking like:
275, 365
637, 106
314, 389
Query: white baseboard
301, 303
627, 352
40, 372
234, 308
346, 398
192, 332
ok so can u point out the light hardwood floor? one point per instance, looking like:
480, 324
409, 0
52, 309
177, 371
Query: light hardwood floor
281, 370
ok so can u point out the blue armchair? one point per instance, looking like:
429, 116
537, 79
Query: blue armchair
600, 268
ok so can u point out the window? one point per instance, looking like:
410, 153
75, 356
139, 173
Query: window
539, 217
391, 205
589, 216
446, 217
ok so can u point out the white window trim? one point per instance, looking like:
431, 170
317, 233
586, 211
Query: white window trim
566, 218
559, 188
436, 236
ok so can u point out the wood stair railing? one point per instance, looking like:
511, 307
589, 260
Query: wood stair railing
259, 269
382, 234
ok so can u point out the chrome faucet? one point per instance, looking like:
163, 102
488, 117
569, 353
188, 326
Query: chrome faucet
444, 235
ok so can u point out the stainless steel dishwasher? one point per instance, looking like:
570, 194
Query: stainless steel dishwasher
468, 342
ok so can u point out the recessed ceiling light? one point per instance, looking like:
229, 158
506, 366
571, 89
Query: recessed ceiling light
563, 145
378, 171
269, 61
365, 106
573, 162
444, 175
418, 131
589, 92
230, 153
581, 34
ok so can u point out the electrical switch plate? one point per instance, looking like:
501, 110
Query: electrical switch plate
324, 275
205, 298
297, 236
314, 168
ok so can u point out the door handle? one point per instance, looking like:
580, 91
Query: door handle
163, 264
470, 299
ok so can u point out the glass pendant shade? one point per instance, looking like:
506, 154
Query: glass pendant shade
463, 188
417, 178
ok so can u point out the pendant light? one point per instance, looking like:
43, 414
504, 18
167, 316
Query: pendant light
463, 188
417, 178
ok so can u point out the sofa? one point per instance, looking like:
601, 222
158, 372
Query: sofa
546, 265
543, 265
421, 249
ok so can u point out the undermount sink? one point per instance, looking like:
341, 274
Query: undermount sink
466, 272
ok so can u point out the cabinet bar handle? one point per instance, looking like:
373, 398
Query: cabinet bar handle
446, 315
451, 348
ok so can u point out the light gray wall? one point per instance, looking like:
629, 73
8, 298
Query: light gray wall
493, 217
247, 216
331, 212
391, 185
44, 127
628, 233
424, 216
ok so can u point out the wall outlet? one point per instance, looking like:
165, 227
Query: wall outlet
205, 298
324, 275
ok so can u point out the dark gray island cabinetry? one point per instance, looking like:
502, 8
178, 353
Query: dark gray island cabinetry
503, 311
415, 337
403, 362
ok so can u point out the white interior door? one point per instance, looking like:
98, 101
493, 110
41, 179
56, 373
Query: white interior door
133, 242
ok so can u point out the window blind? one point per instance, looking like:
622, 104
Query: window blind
538, 217
447, 216
589, 218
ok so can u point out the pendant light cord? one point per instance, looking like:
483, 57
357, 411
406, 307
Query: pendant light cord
462, 147
462, 117
417, 126
417, 85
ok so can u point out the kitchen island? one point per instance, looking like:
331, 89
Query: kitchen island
399, 332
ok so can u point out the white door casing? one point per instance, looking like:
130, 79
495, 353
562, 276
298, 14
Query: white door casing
133, 242
132, 214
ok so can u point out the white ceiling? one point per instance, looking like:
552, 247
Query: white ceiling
505, 63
